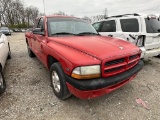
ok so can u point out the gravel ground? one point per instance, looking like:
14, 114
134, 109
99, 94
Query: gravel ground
29, 96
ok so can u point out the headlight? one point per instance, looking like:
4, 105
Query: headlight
86, 72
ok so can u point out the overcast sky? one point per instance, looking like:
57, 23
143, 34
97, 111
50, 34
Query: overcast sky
82, 8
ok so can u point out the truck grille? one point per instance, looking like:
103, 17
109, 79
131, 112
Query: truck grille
119, 65
115, 62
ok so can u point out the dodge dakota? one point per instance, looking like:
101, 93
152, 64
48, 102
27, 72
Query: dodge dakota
81, 62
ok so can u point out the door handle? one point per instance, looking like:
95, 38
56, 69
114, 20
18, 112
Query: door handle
110, 35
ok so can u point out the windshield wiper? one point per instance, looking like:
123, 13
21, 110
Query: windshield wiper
88, 33
63, 33
79, 34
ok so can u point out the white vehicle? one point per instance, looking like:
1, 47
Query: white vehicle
4, 54
142, 30
23, 30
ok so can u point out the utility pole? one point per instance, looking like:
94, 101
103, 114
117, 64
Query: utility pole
44, 7
105, 12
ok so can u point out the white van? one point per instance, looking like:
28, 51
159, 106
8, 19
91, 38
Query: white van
142, 30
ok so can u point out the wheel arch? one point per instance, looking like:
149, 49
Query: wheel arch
50, 61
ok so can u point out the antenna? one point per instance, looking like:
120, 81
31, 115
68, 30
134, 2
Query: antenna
44, 7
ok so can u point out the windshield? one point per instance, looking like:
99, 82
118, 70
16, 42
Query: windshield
152, 25
69, 26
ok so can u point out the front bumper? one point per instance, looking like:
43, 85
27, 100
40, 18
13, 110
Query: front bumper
86, 89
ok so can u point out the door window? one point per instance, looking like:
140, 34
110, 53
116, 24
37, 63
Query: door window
41, 24
152, 25
108, 26
129, 25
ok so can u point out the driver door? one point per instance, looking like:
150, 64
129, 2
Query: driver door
40, 41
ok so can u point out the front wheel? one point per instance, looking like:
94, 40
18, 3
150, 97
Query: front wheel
58, 81
2, 83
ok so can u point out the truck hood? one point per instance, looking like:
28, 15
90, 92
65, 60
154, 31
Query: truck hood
100, 47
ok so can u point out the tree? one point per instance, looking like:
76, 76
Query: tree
100, 17
60, 13
97, 18
13, 13
31, 13
87, 19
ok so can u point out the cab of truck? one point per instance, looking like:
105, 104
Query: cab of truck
141, 30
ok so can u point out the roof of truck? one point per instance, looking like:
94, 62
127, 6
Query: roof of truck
59, 16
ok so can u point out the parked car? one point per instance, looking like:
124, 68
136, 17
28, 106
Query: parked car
17, 30
4, 54
81, 62
142, 30
29, 30
23, 30
5, 30
11, 31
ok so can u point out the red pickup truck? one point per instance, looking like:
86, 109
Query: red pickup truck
81, 62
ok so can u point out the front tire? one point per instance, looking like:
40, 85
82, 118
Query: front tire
58, 81
2, 83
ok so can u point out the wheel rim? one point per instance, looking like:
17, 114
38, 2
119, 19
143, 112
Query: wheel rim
1, 81
56, 81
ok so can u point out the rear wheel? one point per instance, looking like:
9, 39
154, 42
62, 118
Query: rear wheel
2, 82
30, 53
58, 82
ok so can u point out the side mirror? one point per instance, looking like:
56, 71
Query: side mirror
38, 31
